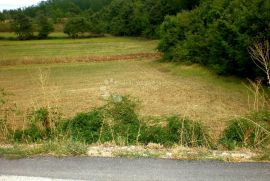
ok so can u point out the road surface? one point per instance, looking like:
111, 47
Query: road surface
124, 169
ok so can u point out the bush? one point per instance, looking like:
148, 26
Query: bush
244, 132
125, 123
31, 134
85, 127
155, 134
177, 131
40, 127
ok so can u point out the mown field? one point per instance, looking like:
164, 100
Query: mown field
75, 75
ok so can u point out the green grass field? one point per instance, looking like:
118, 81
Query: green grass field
75, 86
68, 50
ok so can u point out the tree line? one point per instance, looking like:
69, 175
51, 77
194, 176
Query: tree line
117, 17
218, 34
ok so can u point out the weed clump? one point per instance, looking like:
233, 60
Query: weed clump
40, 126
247, 132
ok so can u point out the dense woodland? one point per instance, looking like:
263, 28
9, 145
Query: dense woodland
214, 33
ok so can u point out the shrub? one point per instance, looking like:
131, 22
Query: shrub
244, 132
85, 127
31, 134
177, 131
40, 127
125, 123
155, 134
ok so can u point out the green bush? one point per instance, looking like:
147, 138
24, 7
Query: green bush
31, 134
155, 134
85, 127
125, 123
40, 127
244, 132
177, 131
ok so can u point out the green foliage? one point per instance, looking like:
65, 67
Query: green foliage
177, 131
22, 26
85, 127
2, 17
117, 17
76, 26
217, 34
40, 127
31, 134
155, 134
45, 27
245, 132
40, 116
125, 123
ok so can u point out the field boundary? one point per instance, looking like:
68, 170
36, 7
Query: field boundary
27, 60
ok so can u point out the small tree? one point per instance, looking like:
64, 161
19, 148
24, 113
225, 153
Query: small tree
2, 17
45, 27
75, 26
260, 55
22, 26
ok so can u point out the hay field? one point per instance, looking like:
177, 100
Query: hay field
74, 86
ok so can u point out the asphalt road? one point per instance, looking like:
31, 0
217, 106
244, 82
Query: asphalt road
123, 169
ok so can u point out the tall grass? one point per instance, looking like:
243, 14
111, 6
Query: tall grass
6, 111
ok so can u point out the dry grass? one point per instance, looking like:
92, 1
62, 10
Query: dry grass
79, 87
